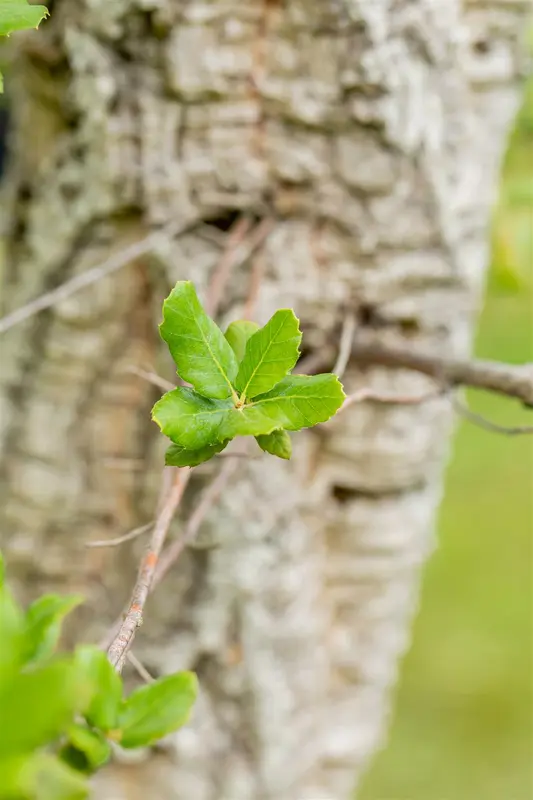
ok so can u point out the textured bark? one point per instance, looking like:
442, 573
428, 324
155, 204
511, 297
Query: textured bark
371, 132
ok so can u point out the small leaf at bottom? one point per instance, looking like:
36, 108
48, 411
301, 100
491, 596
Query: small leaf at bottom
278, 443
177, 456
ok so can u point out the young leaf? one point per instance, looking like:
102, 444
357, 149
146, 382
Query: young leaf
12, 635
16, 15
157, 709
194, 422
177, 456
37, 706
43, 624
190, 420
301, 401
278, 443
238, 333
86, 749
40, 776
103, 702
203, 356
270, 354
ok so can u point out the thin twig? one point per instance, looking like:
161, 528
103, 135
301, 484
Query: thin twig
223, 268
209, 496
139, 667
258, 270
345, 346
127, 537
90, 276
152, 377
487, 424
123, 640
372, 396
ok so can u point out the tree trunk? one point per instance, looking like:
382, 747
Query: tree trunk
370, 134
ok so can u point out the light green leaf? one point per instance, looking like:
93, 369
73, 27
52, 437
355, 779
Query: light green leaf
270, 354
40, 776
12, 634
203, 356
193, 421
278, 443
86, 749
16, 15
238, 333
103, 702
301, 401
43, 624
157, 709
177, 456
37, 706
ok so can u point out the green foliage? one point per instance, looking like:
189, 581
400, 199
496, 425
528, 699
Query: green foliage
60, 715
240, 383
16, 15
277, 443
154, 710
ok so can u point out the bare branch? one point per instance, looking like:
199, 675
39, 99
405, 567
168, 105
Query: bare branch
128, 537
223, 269
512, 380
112, 264
139, 667
370, 395
487, 424
209, 496
152, 377
345, 346
123, 640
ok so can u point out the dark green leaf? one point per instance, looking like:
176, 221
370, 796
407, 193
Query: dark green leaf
16, 15
157, 709
43, 624
192, 421
177, 456
86, 749
278, 443
37, 706
203, 356
270, 354
103, 702
238, 333
301, 401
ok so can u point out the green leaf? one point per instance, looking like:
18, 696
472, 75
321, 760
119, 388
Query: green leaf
16, 15
301, 401
177, 456
43, 624
40, 776
203, 356
37, 706
270, 354
278, 443
154, 710
86, 749
103, 702
193, 421
12, 635
238, 333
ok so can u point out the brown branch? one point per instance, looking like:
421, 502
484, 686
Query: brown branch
225, 264
127, 537
487, 424
119, 647
372, 396
345, 346
512, 380
139, 667
209, 496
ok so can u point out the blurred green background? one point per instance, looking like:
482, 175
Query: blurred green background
463, 721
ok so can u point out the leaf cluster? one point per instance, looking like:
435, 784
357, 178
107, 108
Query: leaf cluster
240, 383
60, 714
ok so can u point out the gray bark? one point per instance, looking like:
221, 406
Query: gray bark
371, 132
